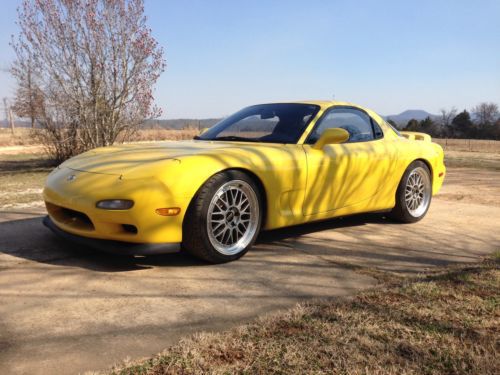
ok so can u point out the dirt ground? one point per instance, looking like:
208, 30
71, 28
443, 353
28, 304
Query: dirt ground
66, 309
475, 186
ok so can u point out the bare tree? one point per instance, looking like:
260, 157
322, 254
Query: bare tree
486, 114
88, 68
447, 116
29, 99
446, 119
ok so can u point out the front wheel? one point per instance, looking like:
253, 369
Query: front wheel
414, 194
224, 218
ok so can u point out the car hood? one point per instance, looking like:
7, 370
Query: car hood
118, 160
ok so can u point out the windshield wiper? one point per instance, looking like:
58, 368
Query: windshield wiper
234, 138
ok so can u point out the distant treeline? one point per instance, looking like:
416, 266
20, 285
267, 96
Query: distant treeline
483, 122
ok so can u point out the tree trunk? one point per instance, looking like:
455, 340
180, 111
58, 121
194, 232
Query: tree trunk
11, 121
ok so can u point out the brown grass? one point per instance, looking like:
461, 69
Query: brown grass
466, 159
477, 145
160, 134
444, 323
22, 136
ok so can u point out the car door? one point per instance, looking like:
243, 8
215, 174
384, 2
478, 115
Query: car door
341, 175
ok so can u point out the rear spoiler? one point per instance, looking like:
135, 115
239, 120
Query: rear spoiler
415, 136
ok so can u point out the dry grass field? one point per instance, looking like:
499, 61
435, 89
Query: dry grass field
23, 136
160, 134
472, 145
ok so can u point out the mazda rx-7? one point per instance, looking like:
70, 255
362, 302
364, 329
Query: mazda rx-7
267, 166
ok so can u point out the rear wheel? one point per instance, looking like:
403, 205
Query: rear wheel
224, 218
414, 194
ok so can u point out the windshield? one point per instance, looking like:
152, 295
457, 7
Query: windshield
272, 123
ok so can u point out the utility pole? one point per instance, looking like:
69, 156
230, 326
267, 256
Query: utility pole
11, 121
6, 111
8, 114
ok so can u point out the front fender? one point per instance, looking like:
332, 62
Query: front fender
280, 170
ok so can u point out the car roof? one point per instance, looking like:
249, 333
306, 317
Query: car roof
323, 103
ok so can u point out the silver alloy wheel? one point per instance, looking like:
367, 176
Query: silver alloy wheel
233, 217
418, 192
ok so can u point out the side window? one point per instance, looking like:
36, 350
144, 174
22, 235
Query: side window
377, 130
359, 125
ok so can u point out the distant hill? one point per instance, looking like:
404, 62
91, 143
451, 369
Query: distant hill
405, 116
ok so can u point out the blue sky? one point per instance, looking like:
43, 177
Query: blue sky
386, 55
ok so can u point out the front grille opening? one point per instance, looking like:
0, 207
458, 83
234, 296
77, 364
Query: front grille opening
129, 228
69, 217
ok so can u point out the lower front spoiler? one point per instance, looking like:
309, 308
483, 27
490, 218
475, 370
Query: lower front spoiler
115, 247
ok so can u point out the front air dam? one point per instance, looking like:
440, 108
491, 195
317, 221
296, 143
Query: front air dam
115, 247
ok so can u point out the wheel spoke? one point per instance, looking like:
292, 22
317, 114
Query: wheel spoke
220, 231
238, 197
224, 200
227, 236
217, 226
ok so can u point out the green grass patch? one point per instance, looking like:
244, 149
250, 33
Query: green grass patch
22, 178
496, 255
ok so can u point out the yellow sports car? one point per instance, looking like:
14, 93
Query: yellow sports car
267, 166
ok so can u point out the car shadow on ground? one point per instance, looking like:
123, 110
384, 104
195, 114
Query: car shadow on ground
28, 239
309, 228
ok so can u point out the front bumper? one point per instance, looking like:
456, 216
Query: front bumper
71, 205
116, 247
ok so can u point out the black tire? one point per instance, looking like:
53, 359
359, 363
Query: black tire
195, 229
401, 212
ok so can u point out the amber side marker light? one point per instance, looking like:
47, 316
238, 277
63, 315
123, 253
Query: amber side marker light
168, 211
441, 174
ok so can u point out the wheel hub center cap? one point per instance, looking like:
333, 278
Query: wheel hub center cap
232, 216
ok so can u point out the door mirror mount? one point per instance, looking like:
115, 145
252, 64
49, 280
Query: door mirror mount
331, 136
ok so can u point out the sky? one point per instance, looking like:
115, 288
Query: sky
385, 55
